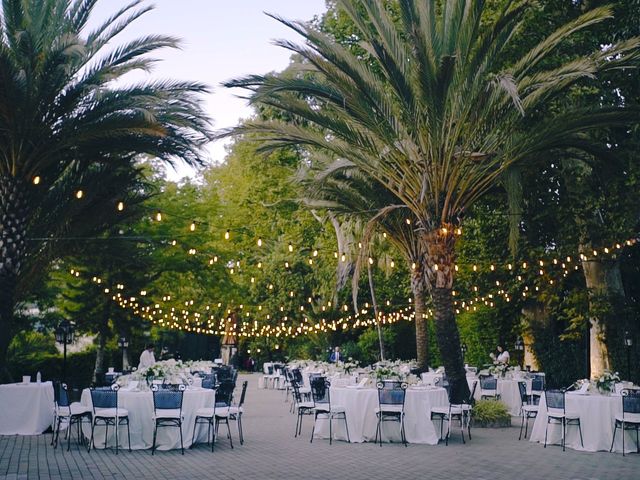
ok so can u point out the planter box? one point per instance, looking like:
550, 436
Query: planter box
499, 423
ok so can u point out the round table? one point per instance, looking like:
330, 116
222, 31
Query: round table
27, 408
597, 420
140, 407
508, 390
360, 405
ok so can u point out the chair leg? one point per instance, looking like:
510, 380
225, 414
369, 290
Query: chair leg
580, 430
155, 433
117, 438
615, 429
330, 430
69, 435
564, 430
229, 430
106, 433
240, 432
315, 419
92, 440
346, 427
522, 426
378, 432
546, 428
53, 428
181, 442
214, 433
403, 434
128, 434
193, 435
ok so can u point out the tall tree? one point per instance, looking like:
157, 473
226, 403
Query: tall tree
66, 125
440, 118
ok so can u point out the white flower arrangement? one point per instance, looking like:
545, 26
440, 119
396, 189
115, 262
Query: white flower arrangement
169, 371
607, 381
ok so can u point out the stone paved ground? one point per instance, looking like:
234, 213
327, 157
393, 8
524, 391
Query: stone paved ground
271, 452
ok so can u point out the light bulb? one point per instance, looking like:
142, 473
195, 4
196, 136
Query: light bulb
192, 227
120, 206
259, 242
79, 194
227, 235
159, 216
36, 180
290, 247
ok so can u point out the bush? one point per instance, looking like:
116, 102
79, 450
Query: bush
488, 413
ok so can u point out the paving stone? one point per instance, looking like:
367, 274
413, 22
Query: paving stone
271, 452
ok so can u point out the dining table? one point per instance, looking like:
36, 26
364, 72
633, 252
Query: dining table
139, 404
360, 404
597, 414
26, 408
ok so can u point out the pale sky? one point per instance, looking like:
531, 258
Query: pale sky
222, 39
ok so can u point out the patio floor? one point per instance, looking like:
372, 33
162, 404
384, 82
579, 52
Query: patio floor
271, 452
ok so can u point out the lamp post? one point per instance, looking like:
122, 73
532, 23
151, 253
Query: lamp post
519, 346
123, 343
463, 349
628, 343
64, 335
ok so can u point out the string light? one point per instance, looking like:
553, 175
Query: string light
290, 247
79, 194
227, 235
36, 180
192, 227
259, 242
120, 206
159, 216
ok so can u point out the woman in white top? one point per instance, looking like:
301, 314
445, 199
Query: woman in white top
146, 357
503, 355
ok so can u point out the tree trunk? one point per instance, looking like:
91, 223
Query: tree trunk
375, 311
13, 224
535, 314
419, 290
439, 269
603, 280
103, 333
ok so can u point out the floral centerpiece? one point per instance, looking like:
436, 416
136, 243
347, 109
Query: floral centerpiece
169, 371
499, 369
348, 366
607, 381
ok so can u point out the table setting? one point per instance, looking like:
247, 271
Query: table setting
26, 407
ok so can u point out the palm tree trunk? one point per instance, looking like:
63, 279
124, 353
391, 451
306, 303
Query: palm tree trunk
13, 224
603, 279
440, 260
419, 290
375, 311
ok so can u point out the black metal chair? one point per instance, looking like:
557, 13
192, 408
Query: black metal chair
489, 387
630, 418
460, 412
557, 414
106, 412
302, 406
527, 409
167, 410
224, 399
209, 381
537, 388
69, 413
235, 411
206, 415
323, 410
391, 397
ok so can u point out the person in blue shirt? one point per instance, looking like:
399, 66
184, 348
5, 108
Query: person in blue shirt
336, 356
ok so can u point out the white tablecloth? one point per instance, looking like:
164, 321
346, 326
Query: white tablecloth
140, 407
26, 408
360, 405
508, 390
597, 418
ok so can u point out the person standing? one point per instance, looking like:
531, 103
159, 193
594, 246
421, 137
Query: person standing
146, 357
503, 355
336, 356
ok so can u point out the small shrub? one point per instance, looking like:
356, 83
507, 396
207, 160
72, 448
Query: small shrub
491, 413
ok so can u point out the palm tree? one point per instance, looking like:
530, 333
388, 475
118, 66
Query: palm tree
342, 188
436, 113
69, 131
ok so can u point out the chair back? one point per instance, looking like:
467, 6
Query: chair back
209, 381
391, 393
297, 375
522, 387
243, 393
320, 391
537, 383
630, 402
104, 397
168, 398
488, 383
224, 393
269, 369
61, 394
554, 399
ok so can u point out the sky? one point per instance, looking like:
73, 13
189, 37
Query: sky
221, 39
